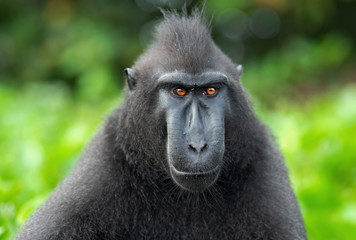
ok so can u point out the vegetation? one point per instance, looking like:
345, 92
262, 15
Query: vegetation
61, 67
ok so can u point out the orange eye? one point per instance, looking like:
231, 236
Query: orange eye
210, 91
180, 91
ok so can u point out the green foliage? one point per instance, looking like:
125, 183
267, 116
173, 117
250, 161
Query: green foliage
61, 65
300, 61
43, 132
318, 140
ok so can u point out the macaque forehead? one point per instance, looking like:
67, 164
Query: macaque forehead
192, 80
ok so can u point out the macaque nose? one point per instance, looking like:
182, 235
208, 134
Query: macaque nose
198, 146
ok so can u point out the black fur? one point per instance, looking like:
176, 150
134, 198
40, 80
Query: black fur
121, 187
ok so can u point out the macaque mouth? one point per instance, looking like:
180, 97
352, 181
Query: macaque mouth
196, 181
196, 173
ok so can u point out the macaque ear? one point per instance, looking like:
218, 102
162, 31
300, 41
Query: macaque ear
130, 78
239, 69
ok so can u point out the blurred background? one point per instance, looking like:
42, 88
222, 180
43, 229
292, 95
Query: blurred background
61, 72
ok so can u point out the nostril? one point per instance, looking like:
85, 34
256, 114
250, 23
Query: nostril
198, 147
192, 148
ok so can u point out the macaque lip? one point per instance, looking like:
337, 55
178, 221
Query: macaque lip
195, 181
196, 173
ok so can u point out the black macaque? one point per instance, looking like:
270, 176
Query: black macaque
183, 157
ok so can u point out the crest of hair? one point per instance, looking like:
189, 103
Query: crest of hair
185, 36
